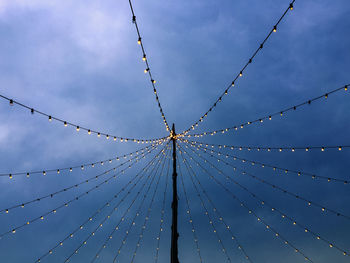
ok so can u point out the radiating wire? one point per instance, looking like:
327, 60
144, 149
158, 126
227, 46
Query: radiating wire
283, 215
278, 235
137, 177
78, 127
148, 68
64, 190
266, 117
240, 74
221, 219
274, 167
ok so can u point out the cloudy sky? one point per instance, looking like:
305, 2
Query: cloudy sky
80, 61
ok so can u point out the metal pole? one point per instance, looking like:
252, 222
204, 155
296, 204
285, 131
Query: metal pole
174, 205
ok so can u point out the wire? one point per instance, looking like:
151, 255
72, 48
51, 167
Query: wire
261, 220
81, 166
107, 204
274, 167
148, 68
240, 74
266, 117
78, 127
51, 195
284, 215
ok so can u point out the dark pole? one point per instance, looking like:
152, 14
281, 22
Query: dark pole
174, 233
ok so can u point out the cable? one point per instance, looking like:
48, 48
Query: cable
266, 117
78, 127
261, 220
51, 195
240, 74
283, 215
81, 166
148, 68
274, 167
107, 204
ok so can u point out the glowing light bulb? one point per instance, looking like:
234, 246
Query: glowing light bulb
89, 132
65, 124
275, 29
78, 128
291, 6
98, 134
144, 57
50, 118
146, 70
241, 74
139, 41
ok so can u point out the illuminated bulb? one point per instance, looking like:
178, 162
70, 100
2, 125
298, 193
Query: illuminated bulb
144, 58
78, 128
139, 41
50, 118
13, 231
10, 175
115, 138
44, 173
70, 169
346, 88
98, 134
326, 96
153, 81
339, 148
241, 74
107, 136
275, 29
291, 6
322, 149
58, 171
42, 218
146, 70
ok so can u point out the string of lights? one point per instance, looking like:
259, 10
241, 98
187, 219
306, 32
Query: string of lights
283, 215
75, 186
211, 223
250, 211
116, 227
274, 167
298, 197
81, 166
133, 223
99, 226
270, 148
221, 219
148, 214
188, 212
92, 217
266, 117
240, 74
54, 211
162, 214
148, 68
78, 127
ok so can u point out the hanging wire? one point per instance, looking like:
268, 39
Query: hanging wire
147, 217
76, 250
148, 68
266, 117
137, 177
309, 203
162, 214
188, 212
133, 223
211, 223
81, 166
78, 197
270, 148
78, 127
273, 209
264, 165
75, 186
116, 227
261, 220
240, 74
221, 219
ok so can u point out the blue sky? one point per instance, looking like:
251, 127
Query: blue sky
79, 61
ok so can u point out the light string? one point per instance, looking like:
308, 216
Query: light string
240, 74
217, 212
137, 177
147, 217
162, 214
116, 227
54, 211
274, 167
92, 234
298, 197
64, 190
283, 215
210, 220
78, 127
148, 68
270, 148
133, 223
188, 212
81, 166
266, 117
259, 219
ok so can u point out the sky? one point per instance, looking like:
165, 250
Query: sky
80, 61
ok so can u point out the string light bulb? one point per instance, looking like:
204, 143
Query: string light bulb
275, 29
139, 41
78, 128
